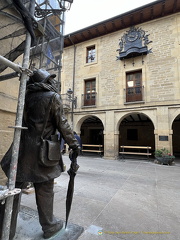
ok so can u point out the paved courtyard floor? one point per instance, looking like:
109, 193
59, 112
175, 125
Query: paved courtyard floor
129, 199
113, 199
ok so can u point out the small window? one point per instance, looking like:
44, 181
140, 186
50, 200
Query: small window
91, 54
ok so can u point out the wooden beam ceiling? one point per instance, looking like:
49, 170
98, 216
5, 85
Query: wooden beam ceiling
151, 11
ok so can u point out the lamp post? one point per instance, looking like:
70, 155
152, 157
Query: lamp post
73, 100
66, 4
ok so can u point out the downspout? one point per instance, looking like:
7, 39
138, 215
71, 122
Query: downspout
73, 84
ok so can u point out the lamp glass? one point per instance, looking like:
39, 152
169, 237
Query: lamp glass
67, 4
70, 91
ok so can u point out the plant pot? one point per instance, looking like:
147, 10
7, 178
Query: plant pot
165, 160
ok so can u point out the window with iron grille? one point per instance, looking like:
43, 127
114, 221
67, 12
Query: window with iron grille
90, 54
90, 92
134, 86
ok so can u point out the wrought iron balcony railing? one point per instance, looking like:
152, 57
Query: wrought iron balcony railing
65, 102
89, 99
134, 94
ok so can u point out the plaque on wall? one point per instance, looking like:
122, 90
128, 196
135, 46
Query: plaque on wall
163, 138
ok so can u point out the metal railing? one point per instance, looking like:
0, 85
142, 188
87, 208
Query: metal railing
134, 94
65, 102
88, 99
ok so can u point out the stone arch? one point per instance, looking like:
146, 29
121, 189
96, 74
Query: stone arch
175, 127
91, 129
173, 115
136, 129
81, 119
127, 114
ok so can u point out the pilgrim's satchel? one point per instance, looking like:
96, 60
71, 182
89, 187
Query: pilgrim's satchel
50, 154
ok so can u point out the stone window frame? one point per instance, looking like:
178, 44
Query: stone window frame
93, 44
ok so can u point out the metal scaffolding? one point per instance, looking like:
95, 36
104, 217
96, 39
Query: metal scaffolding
38, 35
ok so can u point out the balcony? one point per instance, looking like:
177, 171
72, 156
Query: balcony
134, 94
65, 102
89, 99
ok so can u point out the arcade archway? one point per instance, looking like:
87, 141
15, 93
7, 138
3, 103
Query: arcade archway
176, 136
92, 131
137, 129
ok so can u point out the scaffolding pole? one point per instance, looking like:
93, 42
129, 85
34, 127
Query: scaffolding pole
14, 66
17, 134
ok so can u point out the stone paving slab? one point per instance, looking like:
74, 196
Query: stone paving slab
128, 200
28, 227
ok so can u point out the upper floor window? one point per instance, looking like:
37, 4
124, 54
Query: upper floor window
90, 92
134, 86
90, 54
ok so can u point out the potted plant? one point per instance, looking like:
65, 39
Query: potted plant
163, 156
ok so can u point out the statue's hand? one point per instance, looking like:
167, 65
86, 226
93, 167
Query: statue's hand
73, 154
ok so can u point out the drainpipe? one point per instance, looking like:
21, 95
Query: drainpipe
73, 84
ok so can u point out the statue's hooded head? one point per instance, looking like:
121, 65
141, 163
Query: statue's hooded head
41, 76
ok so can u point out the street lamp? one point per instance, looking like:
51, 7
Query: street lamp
71, 98
74, 104
66, 4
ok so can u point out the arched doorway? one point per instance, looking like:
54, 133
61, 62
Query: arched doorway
137, 129
92, 131
176, 136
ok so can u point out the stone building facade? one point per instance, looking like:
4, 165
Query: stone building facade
134, 100
8, 106
130, 99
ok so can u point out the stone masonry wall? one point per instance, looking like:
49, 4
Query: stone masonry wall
8, 106
160, 76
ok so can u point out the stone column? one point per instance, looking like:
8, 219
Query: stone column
109, 146
170, 141
163, 135
116, 144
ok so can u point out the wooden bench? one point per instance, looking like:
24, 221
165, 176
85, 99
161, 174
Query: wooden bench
147, 148
92, 148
